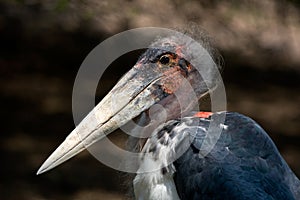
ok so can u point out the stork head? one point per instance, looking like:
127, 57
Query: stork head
173, 72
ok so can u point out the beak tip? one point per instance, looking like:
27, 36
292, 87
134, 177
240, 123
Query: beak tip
43, 169
40, 171
65, 151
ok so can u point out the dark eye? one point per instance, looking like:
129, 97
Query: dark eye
165, 59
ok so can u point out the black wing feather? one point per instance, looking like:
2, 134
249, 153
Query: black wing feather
244, 164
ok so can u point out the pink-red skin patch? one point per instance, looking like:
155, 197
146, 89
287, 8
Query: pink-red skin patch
203, 114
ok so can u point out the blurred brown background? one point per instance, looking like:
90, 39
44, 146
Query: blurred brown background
43, 44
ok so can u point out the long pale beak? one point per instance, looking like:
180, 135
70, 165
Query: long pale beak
132, 95
146, 84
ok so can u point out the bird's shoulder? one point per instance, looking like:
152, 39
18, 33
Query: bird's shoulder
242, 163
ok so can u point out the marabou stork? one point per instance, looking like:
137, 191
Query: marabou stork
244, 163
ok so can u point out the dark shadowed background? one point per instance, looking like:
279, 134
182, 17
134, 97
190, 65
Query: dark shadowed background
43, 44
